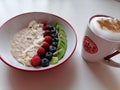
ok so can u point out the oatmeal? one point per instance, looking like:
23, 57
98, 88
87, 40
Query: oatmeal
40, 44
26, 42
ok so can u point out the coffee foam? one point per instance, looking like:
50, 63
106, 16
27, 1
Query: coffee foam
103, 32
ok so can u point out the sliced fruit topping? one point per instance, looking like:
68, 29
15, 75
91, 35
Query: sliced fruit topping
35, 61
57, 26
59, 53
44, 62
62, 42
62, 32
54, 60
62, 37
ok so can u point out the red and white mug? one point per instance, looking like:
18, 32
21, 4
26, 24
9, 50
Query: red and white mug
100, 48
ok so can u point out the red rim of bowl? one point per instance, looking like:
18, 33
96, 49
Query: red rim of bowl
53, 66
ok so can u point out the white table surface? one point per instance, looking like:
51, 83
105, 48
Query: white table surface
75, 74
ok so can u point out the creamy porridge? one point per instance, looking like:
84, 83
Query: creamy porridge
39, 44
26, 42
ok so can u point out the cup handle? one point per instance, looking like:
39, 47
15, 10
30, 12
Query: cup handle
0, 58
108, 59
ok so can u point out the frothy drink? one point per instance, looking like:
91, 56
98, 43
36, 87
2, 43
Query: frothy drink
106, 27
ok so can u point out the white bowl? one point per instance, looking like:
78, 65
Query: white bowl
8, 29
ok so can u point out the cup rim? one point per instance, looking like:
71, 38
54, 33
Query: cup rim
101, 15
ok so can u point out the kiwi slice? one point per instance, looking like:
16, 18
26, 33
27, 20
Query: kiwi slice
57, 27
62, 32
59, 53
62, 44
54, 60
62, 37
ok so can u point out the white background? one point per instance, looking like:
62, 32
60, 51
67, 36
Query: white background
75, 74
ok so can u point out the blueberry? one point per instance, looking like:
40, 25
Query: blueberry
44, 62
54, 35
53, 31
49, 55
53, 49
55, 39
50, 27
54, 44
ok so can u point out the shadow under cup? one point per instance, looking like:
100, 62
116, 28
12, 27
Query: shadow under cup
96, 48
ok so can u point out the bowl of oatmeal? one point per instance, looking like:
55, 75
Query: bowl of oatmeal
36, 41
